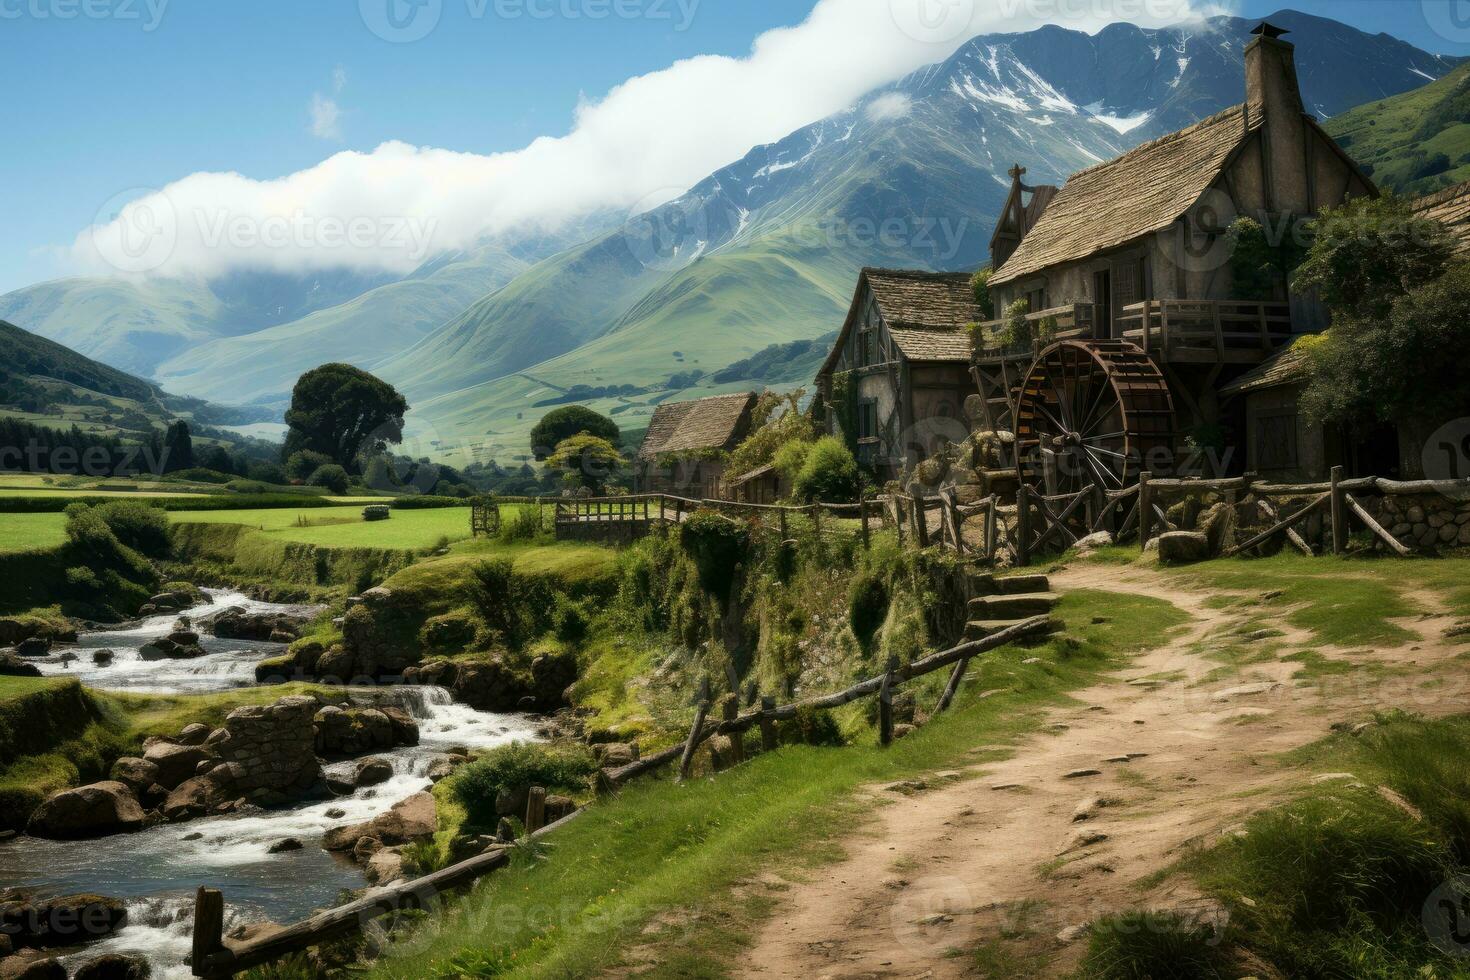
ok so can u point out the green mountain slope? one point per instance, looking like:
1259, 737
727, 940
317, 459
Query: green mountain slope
1415, 142
48, 384
261, 367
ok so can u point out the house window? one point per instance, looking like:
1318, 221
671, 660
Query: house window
1036, 300
1276, 440
867, 420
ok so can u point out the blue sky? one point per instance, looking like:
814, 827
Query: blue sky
106, 96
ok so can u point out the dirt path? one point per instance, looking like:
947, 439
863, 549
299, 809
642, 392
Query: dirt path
996, 850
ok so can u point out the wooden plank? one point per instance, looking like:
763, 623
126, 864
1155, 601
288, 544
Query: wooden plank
1291, 533
686, 760
1279, 526
1339, 513
1145, 511
1376, 528
535, 809
953, 687
885, 703
730, 709
209, 929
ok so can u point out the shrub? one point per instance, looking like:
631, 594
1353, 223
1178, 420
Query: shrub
571, 624
518, 766
138, 526
303, 464
829, 473
265, 472
717, 544
867, 604
811, 726
426, 502
525, 524
331, 476
198, 474
517, 607
790, 458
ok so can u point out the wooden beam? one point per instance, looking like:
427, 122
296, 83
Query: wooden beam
1339, 513
686, 759
1376, 528
209, 929
1279, 526
1291, 532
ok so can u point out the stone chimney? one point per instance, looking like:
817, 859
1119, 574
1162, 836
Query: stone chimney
1273, 95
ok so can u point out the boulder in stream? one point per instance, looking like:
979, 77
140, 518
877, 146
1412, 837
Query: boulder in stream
175, 763
88, 811
409, 820
34, 647
114, 967
13, 666
66, 921
31, 965
372, 771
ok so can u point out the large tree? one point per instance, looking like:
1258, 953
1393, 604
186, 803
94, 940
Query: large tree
586, 460
560, 424
342, 411
179, 445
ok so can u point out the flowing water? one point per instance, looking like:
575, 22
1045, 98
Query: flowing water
157, 871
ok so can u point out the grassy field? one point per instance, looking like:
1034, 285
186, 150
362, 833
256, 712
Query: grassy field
344, 527
31, 532
656, 867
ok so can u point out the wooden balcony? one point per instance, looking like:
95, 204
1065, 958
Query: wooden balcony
1058, 323
1207, 331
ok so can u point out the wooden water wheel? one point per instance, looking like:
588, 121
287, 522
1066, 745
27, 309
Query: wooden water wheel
1092, 413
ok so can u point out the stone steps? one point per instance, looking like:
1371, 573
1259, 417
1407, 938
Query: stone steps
1013, 606
979, 629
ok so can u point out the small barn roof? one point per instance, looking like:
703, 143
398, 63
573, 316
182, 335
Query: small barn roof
1451, 208
924, 305
1141, 192
1287, 366
717, 422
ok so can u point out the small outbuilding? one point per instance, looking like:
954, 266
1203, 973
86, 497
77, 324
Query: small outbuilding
687, 443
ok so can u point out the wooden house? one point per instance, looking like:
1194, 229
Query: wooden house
1285, 446
1125, 276
686, 445
898, 375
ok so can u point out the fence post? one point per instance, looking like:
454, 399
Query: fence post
1339, 513
692, 742
536, 809
990, 505
863, 515
1145, 510
730, 706
784, 536
952, 688
921, 521
817, 519
768, 725
1023, 525
209, 927
885, 703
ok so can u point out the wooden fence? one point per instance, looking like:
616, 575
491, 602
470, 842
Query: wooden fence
214, 958
637, 513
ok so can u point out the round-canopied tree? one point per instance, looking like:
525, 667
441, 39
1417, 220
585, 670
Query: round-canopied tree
343, 412
560, 424
586, 460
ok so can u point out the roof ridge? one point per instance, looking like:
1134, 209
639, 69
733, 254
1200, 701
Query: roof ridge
1159, 141
914, 273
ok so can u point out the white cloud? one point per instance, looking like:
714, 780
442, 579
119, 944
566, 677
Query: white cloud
644, 143
326, 117
326, 114
890, 105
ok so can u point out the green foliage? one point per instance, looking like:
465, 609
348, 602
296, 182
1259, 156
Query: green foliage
586, 460
428, 502
828, 474
1414, 142
718, 544
867, 604
1154, 946
179, 445
526, 523
561, 424
137, 526
790, 458
565, 767
1427, 764
265, 471
1411, 363
517, 607
303, 463
980, 284
343, 411
331, 476
1259, 269
776, 422
810, 726
1368, 252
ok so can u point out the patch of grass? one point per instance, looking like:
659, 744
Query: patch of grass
1152, 946
997, 959
344, 527
662, 850
31, 532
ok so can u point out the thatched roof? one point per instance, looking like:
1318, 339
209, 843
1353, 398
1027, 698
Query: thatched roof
1287, 366
931, 310
714, 423
1451, 208
1143, 191
934, 345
